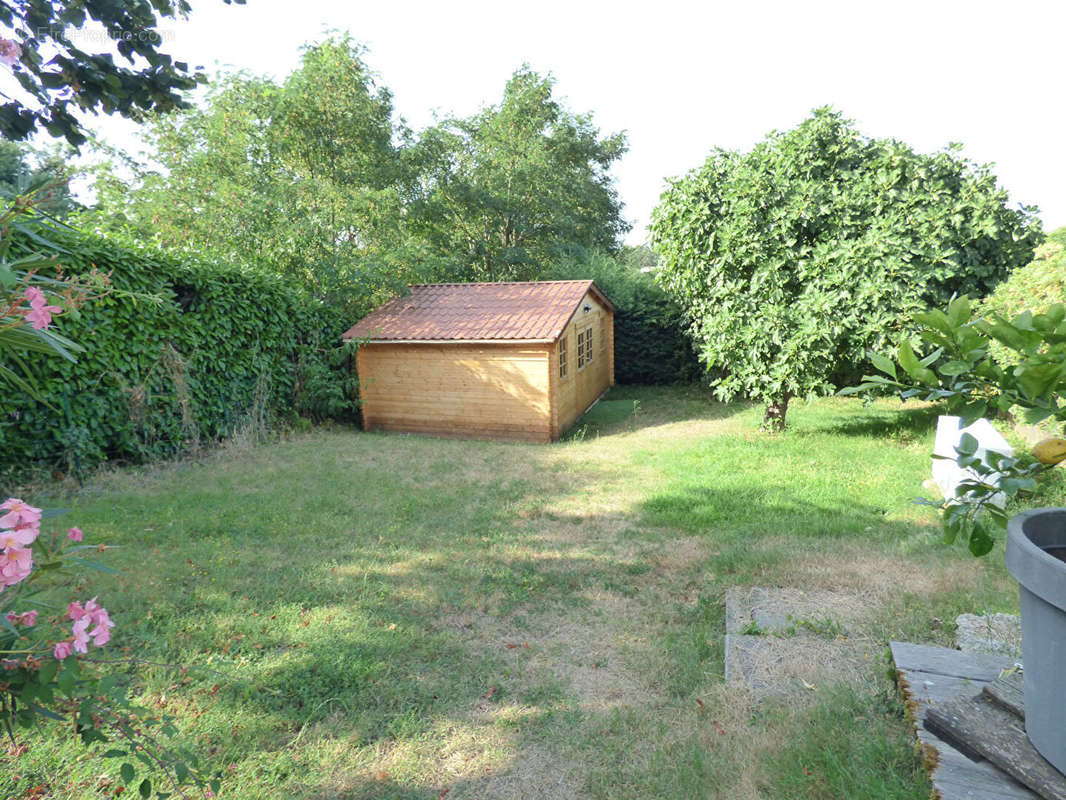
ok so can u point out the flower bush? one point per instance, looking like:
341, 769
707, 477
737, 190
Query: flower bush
49, 664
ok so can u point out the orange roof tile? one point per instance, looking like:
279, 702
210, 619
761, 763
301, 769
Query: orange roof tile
477, 311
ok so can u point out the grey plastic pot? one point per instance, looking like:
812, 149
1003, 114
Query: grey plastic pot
1042, 581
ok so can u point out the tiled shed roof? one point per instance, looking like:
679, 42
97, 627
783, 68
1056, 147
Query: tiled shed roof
477, 311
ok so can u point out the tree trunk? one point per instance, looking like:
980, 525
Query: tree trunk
774, 418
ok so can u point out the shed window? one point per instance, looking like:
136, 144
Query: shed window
563, 357
588, 346
580, 349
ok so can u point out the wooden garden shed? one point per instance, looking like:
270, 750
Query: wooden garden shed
486, 360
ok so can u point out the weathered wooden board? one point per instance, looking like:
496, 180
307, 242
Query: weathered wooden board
1007, 693
973, 723
942, 661
931, 676
956, 776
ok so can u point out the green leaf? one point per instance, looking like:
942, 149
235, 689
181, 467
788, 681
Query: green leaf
145, 788
959, 311
955, 368
981, 541
82, 562
128, 772
883, 363
967, 445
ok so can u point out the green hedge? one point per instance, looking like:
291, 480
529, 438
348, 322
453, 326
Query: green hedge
650, 342
1034, 287
221, 349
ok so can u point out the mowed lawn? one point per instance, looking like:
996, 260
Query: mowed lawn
386, 616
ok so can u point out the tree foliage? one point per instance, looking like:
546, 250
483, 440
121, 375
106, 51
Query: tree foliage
518, 185
317, 178
41, 171
305, 178
60, 73
794, 259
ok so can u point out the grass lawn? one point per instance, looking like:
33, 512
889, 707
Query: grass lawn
407, 617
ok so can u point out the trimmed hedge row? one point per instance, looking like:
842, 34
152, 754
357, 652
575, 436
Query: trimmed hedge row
219, 347
651, 345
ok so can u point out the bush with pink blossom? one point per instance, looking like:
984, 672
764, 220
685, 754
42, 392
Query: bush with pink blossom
51, 672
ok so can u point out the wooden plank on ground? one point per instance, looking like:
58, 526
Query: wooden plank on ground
1007, 693
943, 661
931, 676
975, 724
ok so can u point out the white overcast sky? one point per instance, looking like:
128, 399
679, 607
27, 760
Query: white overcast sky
682, 78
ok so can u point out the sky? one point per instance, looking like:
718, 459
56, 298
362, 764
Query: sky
682, 78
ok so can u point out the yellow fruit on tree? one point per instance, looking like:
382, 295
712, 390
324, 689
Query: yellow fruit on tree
1050, 451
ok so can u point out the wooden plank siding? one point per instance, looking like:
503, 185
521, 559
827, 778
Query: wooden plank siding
583, 385
492, 391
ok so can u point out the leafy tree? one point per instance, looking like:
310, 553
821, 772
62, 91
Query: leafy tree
42, 42
794, 259
25, 170
518, 185
305, 177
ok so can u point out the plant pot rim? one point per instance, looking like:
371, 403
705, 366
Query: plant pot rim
1038, 571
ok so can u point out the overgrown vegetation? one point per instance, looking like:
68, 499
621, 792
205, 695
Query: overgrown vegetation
794, 259
180, 351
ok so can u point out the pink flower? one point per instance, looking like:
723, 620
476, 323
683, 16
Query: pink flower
41, 317
74, 534
81, 635
91, 613
102, 632
19, 514
99, 615
10, 52
29, 618
62, 650
40, 313
19, 537
16, 563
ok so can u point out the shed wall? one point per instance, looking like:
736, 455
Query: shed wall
492, 391
584, 384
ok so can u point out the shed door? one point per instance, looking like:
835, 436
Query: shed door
587, 358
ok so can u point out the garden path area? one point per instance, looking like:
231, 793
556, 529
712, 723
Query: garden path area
405, 617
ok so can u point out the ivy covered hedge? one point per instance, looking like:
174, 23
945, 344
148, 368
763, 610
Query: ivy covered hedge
650, 341
181, 351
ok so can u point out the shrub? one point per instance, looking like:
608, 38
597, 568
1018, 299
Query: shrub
1037, 286
650, 343
178, 352
796, 257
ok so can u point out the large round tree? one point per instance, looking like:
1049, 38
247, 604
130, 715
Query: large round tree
796, 258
